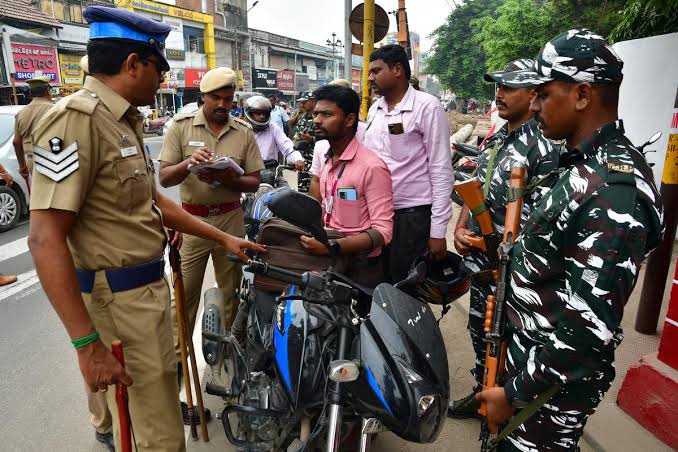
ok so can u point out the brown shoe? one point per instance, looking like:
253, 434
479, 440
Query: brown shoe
7, 279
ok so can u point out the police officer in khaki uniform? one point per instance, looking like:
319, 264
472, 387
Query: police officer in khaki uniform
213, 197
96, 232
26, 121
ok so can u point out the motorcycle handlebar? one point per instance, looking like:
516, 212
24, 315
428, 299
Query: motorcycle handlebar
261, 268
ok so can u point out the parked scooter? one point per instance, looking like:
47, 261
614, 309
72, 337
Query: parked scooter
156, 126
328, 358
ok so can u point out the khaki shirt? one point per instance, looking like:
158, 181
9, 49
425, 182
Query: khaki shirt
112, 191
28, 118
235, 140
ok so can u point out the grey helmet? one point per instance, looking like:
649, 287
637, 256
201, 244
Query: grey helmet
258, 104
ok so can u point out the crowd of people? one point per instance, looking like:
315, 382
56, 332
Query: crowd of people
591, 214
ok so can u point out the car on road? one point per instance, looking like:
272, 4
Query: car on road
14, 199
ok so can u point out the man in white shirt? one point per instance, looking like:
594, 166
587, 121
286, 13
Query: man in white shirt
270, 138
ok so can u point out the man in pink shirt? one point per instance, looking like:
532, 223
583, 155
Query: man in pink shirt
409, 130
355, 188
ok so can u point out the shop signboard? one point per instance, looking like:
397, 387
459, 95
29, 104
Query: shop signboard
285, 80
175, 55
301, 82
35, 61
175, 39
356, 75
265, 78
193, 77
71, 72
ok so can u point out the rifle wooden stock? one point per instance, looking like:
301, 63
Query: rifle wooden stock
122, 401
495, 354
472, 194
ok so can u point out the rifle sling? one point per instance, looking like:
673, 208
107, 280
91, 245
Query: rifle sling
480, 208
514, 194
524, 414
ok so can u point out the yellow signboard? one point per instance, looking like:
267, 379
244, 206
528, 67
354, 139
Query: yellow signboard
71, 72
167, 10
670, 173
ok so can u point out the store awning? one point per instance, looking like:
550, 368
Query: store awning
69, 47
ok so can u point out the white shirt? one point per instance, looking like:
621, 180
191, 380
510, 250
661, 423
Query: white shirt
272, 140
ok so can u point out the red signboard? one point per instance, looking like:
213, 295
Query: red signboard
356, 78
35, 61
284, 80
193, 77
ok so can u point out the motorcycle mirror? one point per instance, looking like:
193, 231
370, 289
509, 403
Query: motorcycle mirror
301, 210
657, 135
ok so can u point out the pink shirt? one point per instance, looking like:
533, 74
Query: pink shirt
272, 140
369, 176
419, 158
321, 148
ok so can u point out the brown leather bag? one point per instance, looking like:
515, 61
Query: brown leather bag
283, 249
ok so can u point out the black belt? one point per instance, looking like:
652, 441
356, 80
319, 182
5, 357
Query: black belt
122, 279
425, 208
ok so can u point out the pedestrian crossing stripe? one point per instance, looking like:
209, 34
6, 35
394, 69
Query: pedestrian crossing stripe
56, 166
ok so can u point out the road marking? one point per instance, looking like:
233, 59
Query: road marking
13, 249
25, 280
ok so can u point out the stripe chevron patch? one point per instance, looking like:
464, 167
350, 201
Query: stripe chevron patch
56, 166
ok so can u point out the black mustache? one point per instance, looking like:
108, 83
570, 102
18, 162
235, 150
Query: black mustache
220, 110
499, 102
538, 118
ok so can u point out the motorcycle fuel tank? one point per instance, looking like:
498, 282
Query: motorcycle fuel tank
404, 378
297, 351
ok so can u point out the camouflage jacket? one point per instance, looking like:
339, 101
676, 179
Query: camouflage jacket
576, 263
303, 125
525, 143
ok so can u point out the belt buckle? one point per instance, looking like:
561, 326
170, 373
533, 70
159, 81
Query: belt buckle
214, 211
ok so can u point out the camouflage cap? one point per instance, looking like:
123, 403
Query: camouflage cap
578, 56
518, 74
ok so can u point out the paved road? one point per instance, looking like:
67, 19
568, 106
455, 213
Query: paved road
42, 395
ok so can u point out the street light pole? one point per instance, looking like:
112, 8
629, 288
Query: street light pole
335, 44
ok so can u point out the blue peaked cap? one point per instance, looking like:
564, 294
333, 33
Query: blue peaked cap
115, 23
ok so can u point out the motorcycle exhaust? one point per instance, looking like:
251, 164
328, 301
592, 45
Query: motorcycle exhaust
239, 326
213, 322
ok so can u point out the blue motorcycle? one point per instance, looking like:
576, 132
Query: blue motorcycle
328, 363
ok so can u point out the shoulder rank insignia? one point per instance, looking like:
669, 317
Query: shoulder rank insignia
57, 163
621, 168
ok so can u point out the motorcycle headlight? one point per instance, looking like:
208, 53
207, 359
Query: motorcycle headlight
425, 404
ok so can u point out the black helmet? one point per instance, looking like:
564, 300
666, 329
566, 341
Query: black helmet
445, 280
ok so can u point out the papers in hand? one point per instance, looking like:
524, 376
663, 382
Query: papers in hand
219, 164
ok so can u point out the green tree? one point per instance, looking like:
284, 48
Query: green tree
455, 59
522, 27
643, 18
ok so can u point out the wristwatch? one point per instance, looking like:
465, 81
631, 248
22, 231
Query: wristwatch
335, 248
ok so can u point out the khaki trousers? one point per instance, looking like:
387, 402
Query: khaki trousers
29, 163
140, 318
101, 417
195, 252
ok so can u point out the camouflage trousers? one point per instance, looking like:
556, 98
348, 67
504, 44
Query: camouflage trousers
560, 422
304, 177
476, 319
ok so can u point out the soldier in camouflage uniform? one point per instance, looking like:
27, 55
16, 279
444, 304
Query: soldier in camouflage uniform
304, 141
577, 259
518, 140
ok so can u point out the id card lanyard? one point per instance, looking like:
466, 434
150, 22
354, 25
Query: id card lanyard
329, 200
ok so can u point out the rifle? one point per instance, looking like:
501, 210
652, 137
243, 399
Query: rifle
472, 193
495, 313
